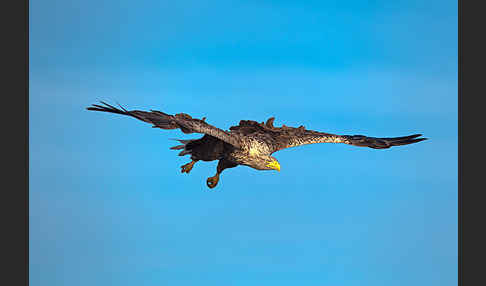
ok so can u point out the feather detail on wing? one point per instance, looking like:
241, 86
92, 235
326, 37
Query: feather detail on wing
162, 120
286, 137
381, 143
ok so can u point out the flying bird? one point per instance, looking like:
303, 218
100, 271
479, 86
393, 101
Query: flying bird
250, 143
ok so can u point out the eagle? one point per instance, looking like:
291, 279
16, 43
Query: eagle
249, 143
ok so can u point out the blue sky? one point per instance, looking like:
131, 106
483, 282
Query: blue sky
109, 206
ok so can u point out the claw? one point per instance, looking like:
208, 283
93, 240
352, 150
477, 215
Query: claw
187, 167
212, 181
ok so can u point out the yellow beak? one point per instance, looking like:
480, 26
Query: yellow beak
274, 165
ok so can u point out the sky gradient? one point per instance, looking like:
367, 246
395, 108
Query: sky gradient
109, 206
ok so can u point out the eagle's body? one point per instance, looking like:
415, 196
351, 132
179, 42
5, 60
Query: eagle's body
250, 143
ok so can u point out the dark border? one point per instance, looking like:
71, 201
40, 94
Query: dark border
471, 128
15, 139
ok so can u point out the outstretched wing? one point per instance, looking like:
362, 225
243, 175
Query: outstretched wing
311, 137
183, 121
286, 137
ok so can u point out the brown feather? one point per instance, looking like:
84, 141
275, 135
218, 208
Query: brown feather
162, 120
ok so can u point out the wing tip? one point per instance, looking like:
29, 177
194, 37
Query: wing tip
409, 140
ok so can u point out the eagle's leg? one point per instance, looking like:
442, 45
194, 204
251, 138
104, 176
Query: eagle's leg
222, 164
188, 167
